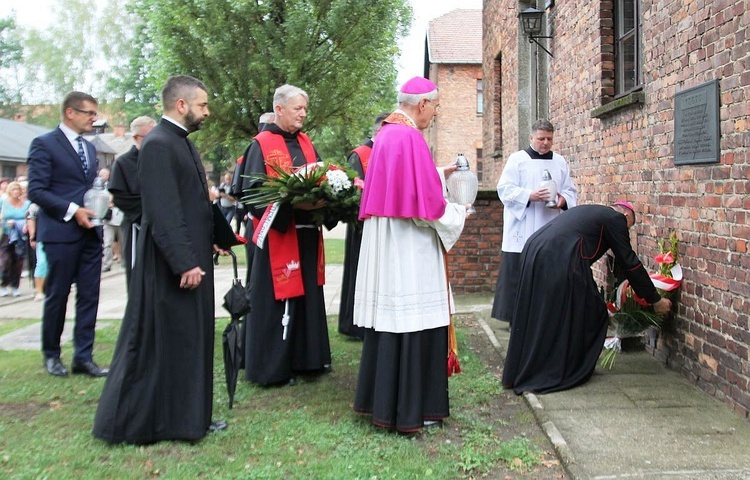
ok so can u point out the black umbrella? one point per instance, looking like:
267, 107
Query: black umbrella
237, 303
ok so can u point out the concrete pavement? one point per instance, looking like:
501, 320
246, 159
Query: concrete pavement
636, 421
113, 299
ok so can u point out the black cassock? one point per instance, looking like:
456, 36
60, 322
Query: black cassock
268, 358
160, 384
126, 195
560, 318
352, 246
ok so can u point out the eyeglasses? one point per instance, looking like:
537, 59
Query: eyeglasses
90, 113
437, 106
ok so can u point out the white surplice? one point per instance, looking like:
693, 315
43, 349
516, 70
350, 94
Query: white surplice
401, 278
521, 176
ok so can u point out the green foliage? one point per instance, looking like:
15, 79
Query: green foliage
10, 55
341, 52
61, 56
668, 251
334, 248
633, 318
92, 46
481, 451
331, 182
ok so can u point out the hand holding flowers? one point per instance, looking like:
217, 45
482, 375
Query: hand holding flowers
630, 315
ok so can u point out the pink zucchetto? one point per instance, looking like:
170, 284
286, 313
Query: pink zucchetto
418, 86
627, 205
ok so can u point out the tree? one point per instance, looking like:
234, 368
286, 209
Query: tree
10, 56
93, 46
65, 55
128, 85
342, 52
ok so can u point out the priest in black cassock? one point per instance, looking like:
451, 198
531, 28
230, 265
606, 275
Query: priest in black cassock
288, 269
126, 190
359, 159
560, 318
160, 385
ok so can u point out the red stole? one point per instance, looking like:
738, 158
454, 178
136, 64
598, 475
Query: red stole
283, 248
363, 152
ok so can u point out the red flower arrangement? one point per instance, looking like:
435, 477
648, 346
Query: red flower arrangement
630, 315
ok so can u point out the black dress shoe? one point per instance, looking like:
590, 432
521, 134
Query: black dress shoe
217, 426
55, 367
90, 368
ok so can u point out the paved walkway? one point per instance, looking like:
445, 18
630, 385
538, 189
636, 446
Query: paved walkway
637, 421
112, 304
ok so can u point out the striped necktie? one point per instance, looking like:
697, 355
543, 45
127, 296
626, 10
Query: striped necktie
82, 156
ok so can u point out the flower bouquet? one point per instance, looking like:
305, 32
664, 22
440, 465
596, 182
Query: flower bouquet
338, 185
630, 315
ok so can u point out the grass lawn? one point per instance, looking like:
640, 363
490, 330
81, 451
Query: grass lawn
307, 431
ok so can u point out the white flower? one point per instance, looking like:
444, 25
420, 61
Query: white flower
307, 169
338, 180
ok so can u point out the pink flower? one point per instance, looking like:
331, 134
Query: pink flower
359, 183
667, 258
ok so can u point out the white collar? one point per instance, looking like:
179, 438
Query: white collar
170, 119
69, 133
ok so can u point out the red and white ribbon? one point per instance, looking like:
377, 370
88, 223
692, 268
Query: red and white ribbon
660, 281
264, 225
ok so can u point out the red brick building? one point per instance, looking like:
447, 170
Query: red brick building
453, 61
623, 89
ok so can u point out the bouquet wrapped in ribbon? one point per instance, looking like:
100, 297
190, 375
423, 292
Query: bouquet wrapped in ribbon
630, 315
338, 185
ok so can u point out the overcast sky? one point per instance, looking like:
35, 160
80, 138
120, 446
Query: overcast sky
37, 13
412, 47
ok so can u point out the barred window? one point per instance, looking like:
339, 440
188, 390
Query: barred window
628, 75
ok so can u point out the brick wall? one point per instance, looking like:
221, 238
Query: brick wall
457, 128
500, 67
473, 262
628, 153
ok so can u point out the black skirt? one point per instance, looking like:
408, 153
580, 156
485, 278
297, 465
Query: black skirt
506, 291
403, 378
348, 283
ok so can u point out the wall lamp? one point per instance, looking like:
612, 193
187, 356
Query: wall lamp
531, 22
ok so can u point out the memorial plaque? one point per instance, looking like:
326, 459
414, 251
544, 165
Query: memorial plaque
696, 125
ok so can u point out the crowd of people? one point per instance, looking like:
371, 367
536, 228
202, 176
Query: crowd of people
396, 297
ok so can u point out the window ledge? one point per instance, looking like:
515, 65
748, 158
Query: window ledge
619, 103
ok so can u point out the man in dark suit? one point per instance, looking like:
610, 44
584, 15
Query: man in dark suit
62, 167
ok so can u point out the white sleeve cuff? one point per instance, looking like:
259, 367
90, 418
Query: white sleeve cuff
72, 209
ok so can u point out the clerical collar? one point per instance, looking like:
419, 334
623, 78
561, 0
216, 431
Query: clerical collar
272, 127
172, 120
534, 154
